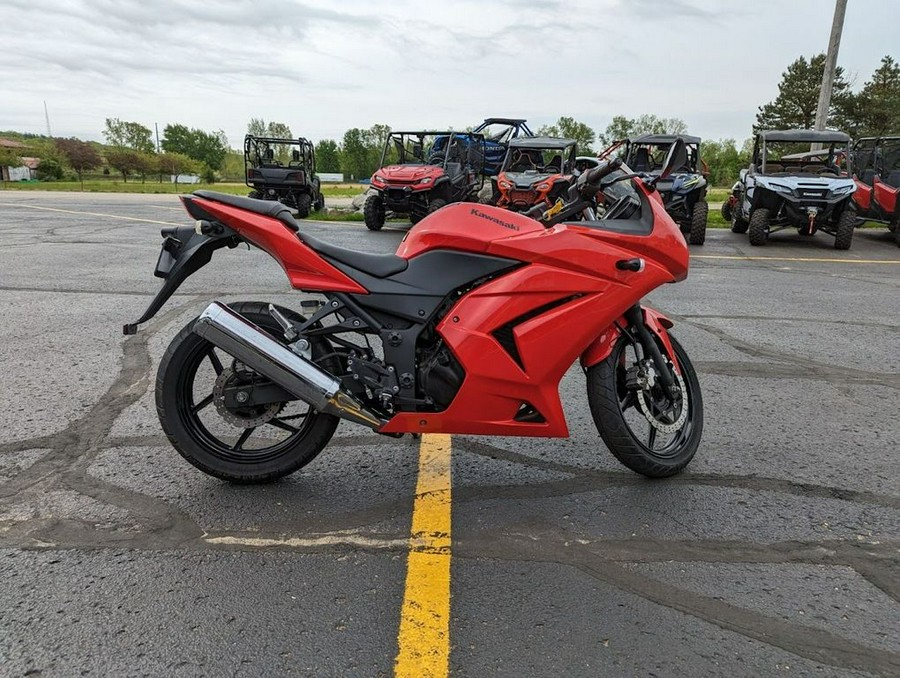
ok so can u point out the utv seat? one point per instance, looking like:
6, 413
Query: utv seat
641, 160
378, 265
773, 167
868, 177
893, 178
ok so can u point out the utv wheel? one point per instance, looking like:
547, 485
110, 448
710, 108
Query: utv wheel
253, 445
435, 205
304, 204
319, 205
626, 429
726, 211
759, 227
698, 223
738, 224
373, 211
256, 195
843, 235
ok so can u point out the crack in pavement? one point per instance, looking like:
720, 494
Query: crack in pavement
159, 525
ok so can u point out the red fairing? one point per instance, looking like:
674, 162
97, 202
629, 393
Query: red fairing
465, 226
573, 275
304, 267
885, 196
491, 230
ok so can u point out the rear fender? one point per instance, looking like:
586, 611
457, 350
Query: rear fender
602, 346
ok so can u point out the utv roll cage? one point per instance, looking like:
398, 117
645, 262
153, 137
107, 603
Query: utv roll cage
271, 152
797, 163
532, 148
636, 151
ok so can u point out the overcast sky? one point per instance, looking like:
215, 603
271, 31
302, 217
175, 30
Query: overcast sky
322, 67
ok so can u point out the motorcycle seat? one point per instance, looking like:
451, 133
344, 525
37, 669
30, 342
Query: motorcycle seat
269, 208
377, 265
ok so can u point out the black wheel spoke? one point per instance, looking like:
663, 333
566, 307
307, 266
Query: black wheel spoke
239, 445
214, 359
291, 417
203, 403
280, 423
651, 440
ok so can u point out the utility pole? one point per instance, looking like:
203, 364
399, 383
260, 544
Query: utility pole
47, 118
834, 42
156, 125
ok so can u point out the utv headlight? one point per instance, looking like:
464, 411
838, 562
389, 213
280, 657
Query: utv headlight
380, 179
844, 190
543, 187
778, 188
425, 180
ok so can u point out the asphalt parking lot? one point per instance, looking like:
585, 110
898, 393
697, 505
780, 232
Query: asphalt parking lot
776, 553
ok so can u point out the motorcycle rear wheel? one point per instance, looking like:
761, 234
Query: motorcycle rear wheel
259, 445
625, 428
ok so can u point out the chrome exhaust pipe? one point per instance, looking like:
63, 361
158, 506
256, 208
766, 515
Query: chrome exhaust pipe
259, 351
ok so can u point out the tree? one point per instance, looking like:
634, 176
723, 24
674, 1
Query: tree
877, 106
123, 160
131, 135
360, 152
570, 128
146, 163
724, 160
798, 97
175, 164
277, 130
354, 154
8, 158
623, 128
328, 157
80, 155
209, 148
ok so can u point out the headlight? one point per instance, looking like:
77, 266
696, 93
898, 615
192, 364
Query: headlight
426, 180
844, 190
380, 179
543, 187
778, 188
505, 184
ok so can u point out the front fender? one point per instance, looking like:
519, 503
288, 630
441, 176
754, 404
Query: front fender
601, 348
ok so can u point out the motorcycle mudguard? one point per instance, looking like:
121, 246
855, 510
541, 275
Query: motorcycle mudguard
184, 252
603, 345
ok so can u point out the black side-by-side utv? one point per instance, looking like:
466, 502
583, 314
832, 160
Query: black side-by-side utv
283, 170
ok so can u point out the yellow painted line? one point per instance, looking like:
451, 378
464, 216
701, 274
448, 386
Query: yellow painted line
90, 214
424, 637
838, 261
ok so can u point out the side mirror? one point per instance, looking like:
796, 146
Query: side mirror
675, 158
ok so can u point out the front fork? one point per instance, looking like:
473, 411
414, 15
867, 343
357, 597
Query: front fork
635, 318
646, 323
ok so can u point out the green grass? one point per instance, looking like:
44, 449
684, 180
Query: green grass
718, 194
120, 187
110, 186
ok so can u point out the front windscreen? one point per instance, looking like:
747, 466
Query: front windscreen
793, 157
540, 160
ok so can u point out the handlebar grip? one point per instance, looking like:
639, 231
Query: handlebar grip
596, 174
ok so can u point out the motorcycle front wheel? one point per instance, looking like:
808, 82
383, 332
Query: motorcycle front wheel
648, 432
254, 444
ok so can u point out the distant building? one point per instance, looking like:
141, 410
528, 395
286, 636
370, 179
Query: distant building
27, 170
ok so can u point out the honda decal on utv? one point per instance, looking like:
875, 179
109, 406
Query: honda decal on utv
788, 186
283, 170
423, 171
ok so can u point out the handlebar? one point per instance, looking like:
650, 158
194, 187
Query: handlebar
593, 177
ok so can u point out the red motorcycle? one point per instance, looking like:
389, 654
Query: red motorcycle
468, 328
